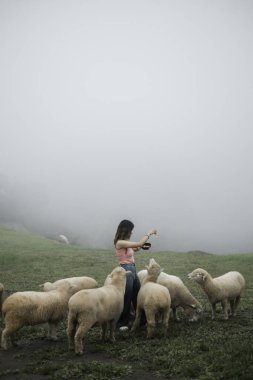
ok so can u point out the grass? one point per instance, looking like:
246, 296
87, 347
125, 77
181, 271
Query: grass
204, 350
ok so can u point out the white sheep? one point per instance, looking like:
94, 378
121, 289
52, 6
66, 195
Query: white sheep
32, 308
1, 295
96, 306
227, 287
79, 283
63, 239
180, 295
154, 299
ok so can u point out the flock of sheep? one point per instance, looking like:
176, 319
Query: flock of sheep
85, 304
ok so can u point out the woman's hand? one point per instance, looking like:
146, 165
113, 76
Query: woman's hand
152, 231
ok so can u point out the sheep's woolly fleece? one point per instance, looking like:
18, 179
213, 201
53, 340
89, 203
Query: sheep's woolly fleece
224, 289
32, 308
180, 295
152, 298
83, 282
91, 306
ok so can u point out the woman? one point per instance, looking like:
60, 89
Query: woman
125, 254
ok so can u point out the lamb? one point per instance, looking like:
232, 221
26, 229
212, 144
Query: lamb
1, 295
32, 308
153, 298
101, 306
63, 239
180, 295
227, 287
79, 283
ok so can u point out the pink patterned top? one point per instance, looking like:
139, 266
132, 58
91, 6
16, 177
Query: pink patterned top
125, 255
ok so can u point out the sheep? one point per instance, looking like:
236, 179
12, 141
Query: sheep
32, 308
1, 295
227, 287
63, 239
101, 306
79, 283
153, 298
180, 295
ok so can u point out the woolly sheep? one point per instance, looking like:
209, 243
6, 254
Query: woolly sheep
33, 308
227, 287
96, 306
153, 298
63, 239
78, 282
180, 295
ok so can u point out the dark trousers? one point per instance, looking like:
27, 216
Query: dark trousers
131, 292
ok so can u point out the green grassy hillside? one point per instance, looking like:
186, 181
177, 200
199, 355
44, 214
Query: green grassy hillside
27, 260
204, 350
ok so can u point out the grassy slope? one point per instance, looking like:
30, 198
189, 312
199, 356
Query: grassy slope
206, 350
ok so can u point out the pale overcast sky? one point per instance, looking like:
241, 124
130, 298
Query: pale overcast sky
134, 109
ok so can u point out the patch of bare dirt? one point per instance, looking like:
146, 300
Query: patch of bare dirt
15, 361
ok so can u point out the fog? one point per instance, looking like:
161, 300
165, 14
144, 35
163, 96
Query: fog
137, 110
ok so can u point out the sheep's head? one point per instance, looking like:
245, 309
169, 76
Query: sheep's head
118, 270
199, 275
194, 312
63, 287
118, 273
47, 286
154, 268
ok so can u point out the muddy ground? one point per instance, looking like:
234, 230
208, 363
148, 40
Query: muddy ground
20, 362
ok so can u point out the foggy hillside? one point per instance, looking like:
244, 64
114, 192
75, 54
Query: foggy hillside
135, 110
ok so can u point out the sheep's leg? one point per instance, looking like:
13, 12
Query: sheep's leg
150, 314
213, 310
237, 301
225, 309
71, 330
137, 319
52, 328
174, 313
165, 320
104, 328
112, 327
80, 333
12, 339
232, 307
7, 339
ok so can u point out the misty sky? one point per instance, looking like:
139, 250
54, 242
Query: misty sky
132, 109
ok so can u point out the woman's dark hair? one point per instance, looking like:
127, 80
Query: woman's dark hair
124, 230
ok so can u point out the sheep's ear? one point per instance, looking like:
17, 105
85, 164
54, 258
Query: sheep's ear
204, 277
